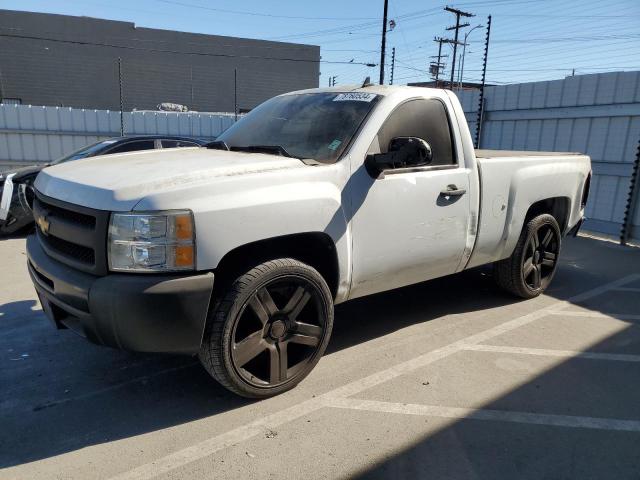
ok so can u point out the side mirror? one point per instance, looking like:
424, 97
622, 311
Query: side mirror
403, 152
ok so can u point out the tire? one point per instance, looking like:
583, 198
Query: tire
12, 226
531, 267
269, 329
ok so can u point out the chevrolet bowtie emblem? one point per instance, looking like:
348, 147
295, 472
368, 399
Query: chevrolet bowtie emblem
43, 223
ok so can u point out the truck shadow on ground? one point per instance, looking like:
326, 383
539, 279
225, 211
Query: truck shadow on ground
20, 235
18, 310
68, 394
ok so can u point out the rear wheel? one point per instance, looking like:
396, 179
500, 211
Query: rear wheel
531, 267
269, 329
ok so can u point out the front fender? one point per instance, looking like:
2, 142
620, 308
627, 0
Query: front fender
240, 211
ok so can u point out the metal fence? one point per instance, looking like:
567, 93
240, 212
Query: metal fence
31, 134
595, 114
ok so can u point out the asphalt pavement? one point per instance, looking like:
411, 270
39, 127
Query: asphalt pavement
447, 379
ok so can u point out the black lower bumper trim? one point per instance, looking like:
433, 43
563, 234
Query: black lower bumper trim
144, 313
576, 228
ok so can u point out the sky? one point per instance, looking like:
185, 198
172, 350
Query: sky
530, 39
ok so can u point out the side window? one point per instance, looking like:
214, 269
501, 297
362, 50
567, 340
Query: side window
133, 146
169, 143
177, 143
425, 119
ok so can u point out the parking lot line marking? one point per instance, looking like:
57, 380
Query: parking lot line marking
617, 357
460, 413
627, 289
617, 316
244, 432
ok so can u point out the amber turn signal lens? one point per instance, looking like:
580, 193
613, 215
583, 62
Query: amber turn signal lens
184, 256
184, 227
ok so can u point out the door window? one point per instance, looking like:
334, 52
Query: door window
425, 119
177, 143
133, 146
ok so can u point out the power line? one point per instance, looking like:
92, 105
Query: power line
529, 15
518, 46
410, 16
255, 14
593, 38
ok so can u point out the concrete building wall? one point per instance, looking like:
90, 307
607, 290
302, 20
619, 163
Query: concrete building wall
53, 60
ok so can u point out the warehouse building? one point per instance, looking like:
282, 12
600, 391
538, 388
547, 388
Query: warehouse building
82, 62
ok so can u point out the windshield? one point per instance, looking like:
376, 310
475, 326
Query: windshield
318, 126
87, 151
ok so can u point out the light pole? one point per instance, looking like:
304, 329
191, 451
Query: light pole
464, 49
383, 46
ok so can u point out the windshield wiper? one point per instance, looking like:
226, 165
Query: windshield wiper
277, 149
217, 145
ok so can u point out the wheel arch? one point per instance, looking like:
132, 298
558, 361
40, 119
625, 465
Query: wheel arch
316, 249
558, 207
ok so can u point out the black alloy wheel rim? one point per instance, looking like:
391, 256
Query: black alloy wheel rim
278, 332
540, 257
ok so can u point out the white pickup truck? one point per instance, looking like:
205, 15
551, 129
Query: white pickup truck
238, 251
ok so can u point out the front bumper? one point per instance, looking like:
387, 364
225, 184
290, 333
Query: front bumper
136, 312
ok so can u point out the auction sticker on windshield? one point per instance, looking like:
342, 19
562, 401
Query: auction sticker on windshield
355, 97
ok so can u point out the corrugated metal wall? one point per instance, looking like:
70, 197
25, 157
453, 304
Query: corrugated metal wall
31, 134
595, 114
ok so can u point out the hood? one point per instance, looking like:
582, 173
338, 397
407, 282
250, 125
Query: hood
119, 182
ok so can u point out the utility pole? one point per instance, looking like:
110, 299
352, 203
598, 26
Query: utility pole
438, 66
457, 27
484, 75
1, 88
191, 78
393, 64
235, 94
454, 42
384, 41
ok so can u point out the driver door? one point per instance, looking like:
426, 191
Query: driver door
406, 229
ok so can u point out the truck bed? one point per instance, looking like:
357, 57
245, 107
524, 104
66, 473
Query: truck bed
512, 181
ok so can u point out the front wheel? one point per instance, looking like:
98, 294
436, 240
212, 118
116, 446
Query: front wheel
531, 267
269, 329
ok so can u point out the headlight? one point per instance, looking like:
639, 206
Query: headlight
150, 242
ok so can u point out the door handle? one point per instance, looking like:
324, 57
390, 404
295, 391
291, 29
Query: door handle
453, 191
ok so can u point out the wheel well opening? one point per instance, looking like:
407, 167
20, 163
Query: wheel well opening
313, 248
558, 207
